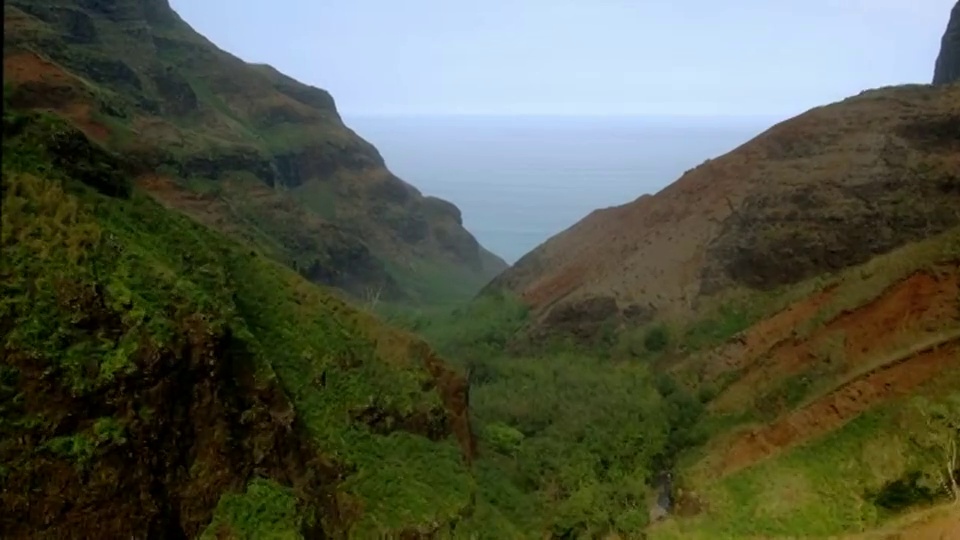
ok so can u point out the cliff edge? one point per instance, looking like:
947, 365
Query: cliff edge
948, 62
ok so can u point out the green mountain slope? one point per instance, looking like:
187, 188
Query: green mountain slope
159, 380
174, 365
239, 147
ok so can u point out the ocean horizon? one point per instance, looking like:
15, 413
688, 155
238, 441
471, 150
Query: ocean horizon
520, 179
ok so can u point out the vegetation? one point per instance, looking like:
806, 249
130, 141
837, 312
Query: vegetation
878, 465
940, 436
92, 284
555, 422
265, 510
570, 440
329, 419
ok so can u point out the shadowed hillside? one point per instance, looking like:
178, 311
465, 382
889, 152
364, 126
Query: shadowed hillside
239, 147
159, 380
948, 62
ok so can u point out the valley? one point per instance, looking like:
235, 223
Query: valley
224, 317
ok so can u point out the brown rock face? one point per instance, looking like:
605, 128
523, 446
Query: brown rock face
948, 61
828, 189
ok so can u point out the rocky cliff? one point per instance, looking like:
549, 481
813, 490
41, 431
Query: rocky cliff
828, 189
237, 146
948, 62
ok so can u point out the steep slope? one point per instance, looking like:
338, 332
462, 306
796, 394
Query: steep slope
947, 69
158, 380
797, 302
239, 147
835, 414
826, 190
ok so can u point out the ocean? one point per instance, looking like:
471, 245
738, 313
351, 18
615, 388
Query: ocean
521, 179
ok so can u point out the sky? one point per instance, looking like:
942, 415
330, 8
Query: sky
652, 57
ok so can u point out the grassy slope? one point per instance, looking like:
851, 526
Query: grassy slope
870, 469
156, 271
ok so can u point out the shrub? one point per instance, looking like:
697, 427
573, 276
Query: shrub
657, 339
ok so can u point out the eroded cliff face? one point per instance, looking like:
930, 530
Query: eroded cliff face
151, 454
828, 189
159, 380
271, 156
948, 62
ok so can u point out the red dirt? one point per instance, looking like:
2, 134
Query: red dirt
28, 67
834, 410
764, 335
916, 307
203, 208
46, 77
760, 338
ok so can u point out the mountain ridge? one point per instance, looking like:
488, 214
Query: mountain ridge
766, 348
723, 226
186, 239
947, 67
141, 81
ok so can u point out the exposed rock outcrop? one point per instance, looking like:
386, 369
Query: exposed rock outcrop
948, 62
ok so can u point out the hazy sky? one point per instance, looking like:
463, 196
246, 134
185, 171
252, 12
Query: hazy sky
776, 57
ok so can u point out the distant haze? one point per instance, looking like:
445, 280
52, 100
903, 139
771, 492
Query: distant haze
692, 57
521, 179
465, 100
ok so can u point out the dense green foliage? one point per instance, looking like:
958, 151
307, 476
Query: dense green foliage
264, 510
95, 277
570, 440
548, 462
91, 285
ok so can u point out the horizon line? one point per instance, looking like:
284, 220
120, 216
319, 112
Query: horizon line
567, 114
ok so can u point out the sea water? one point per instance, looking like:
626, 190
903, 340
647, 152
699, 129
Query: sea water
518, 180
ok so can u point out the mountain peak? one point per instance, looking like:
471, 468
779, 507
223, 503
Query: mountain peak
948, 62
